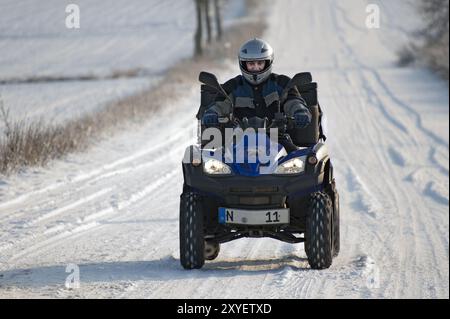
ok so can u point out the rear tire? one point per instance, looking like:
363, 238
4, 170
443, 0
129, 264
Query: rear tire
212, 249
319, 231
192, 243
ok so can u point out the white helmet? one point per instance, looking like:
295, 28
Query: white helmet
256, 50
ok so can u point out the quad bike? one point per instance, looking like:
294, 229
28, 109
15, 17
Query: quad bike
294, 200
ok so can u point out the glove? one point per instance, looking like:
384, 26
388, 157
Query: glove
301, 119
210, 119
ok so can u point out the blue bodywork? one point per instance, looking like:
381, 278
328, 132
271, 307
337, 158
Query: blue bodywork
243, 156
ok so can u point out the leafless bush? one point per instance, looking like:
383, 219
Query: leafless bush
435, 14
406, 55
436, 55
34, 144
436, 33
433, 47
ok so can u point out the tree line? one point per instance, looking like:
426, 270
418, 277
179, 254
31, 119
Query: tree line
208, 13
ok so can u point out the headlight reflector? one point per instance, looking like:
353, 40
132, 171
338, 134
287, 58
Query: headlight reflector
215, 167
292, 166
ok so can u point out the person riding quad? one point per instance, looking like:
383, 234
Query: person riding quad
258, 92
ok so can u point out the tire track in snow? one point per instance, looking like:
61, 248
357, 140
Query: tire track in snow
98, 174
363, 71
72, 205
58, 239
388, 92
76, 193
78, 203
420, 224
356, 191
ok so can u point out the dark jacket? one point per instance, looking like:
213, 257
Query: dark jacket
259, 100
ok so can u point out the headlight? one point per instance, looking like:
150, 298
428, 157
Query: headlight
215, 167
293, 166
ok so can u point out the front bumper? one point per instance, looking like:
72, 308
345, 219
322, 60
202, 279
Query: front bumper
253, 191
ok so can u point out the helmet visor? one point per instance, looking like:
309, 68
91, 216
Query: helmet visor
255, 66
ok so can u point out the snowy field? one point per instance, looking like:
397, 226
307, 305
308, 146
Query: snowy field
115, 37
113, 212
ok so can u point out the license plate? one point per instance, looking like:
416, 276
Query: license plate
253, 217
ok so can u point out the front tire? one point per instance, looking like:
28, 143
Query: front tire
319, 231
192, 243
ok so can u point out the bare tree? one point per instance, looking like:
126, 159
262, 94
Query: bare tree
218, 19
208, 21
198, 32
203, 10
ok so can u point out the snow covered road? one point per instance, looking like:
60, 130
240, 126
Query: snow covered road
114, 211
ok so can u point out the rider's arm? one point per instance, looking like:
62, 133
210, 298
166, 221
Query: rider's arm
222, 107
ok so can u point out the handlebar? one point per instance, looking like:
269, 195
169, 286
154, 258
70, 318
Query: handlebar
281, 121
